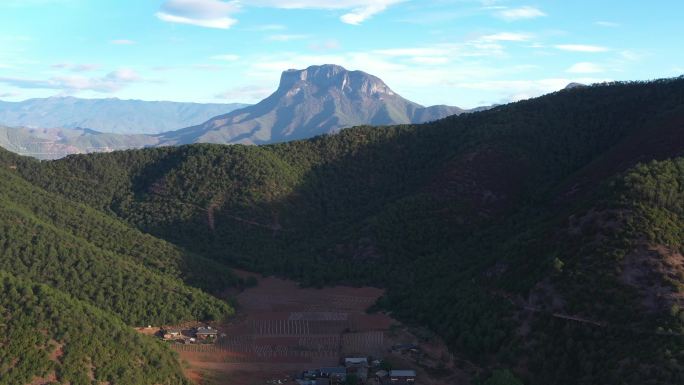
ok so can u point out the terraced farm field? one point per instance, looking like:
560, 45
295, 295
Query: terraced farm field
282, 329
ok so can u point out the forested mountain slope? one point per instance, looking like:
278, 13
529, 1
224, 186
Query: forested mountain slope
96, 275
522, 235
50, 338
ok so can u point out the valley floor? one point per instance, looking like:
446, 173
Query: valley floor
282, 329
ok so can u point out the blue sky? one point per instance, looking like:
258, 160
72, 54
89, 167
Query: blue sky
457, 52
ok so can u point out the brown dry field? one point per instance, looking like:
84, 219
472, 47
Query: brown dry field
281, 329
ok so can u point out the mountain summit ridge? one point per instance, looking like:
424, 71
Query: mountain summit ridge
332, 75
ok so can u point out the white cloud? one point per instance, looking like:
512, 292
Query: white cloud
122, 42
431, 60
358, 11
251, 93
286, 37
418, 51
507, 36
327, 45
125, 75
630, 55
407, 68
359, 15
111, 82
210, 67
268, 27
521, 13
219, 13
524, 89
203, 13
608, 24
581, 48
226, 57
585, 68
430, 74
32, 3
218, 23
483, 47
76, 67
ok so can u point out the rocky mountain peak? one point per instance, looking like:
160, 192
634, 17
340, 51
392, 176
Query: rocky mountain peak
332, 76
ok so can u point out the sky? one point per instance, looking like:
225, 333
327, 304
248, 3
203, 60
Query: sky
464, 53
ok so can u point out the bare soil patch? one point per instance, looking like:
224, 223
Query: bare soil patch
282, 329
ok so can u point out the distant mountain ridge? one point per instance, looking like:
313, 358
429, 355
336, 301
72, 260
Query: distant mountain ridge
309, 102
54, 143
109, 115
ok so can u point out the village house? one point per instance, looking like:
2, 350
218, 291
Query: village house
402, 377
336, 375
403, 348
318, 381
172, 334
381, 376
356, 361
357, 366
206, 333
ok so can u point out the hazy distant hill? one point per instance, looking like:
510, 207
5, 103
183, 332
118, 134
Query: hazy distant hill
109, 115
317, 100
54, 143
310, 102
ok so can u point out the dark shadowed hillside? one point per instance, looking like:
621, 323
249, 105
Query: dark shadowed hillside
527, 236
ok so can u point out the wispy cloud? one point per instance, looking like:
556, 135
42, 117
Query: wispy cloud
122, 42
34, 3
608, 24
430, 60
585, 68
507, 36
326, 45
630, 55
226, 57
111, 82
524, 89
210, 67
220, 14
286, 37
9, 94
249, 93
357, 11
417, 51
267, 27
581, 48
76, 67
203, 13
521, 13
487, 46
